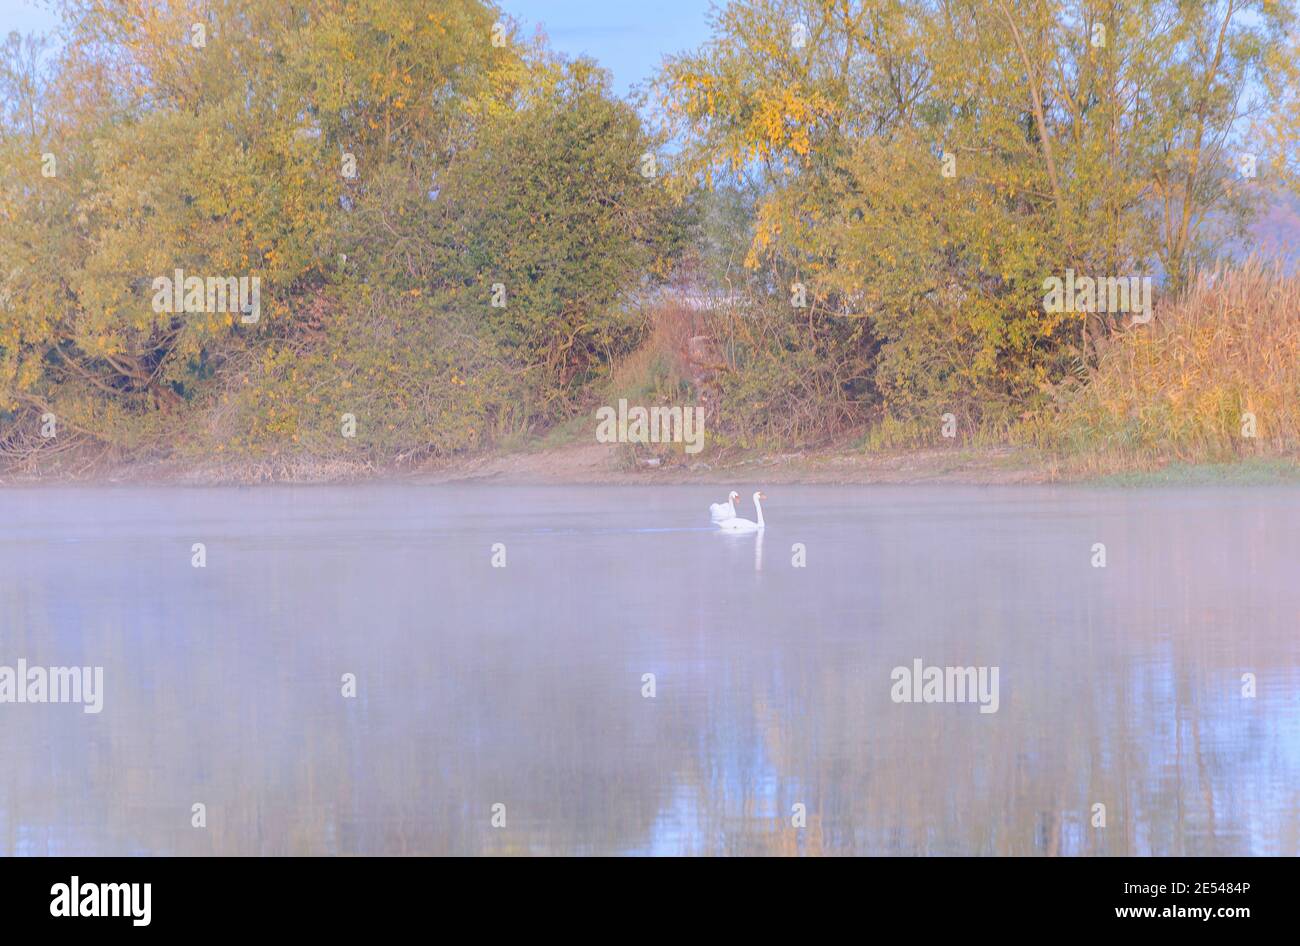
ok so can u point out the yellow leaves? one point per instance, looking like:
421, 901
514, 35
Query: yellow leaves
767, 228
785, 120
690, 81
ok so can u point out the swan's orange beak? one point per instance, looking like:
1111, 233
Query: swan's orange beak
762, 495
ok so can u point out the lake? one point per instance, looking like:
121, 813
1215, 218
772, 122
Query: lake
353, 672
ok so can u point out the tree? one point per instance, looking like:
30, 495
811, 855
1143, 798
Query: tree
924, 166
340, 154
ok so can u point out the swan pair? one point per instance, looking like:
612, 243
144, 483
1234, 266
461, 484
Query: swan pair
724, 514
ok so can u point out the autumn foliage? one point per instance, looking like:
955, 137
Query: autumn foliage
1215, 378
920, 168
381, 167
460, 241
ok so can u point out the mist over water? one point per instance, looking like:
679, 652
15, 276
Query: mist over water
522, 685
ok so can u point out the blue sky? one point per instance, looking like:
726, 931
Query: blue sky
628, 38
25, 16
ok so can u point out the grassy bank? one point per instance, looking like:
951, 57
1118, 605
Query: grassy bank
1207, 393
1248, 472
572, 457
1214, 380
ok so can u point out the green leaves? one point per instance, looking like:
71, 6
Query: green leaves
392, 134
925, 167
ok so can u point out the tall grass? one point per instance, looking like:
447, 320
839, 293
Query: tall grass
1185, 386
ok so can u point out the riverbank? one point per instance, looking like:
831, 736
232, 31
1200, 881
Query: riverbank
580, 463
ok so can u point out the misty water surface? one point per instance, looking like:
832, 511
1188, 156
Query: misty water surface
522, 685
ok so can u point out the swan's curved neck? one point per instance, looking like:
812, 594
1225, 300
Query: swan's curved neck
758, 505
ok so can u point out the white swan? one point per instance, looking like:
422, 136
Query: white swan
720, 512
736, 524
